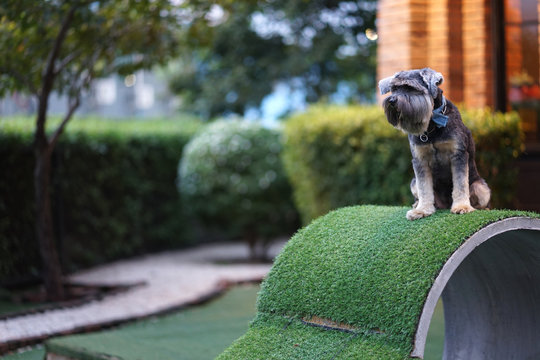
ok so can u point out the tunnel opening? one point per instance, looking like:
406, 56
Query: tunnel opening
492, 301
490, 289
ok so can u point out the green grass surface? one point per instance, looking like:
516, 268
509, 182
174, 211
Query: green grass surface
201, 332
366, 266
238, 299
292, 341
9, 306
35, 353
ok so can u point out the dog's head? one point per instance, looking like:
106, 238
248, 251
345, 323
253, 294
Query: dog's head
410, 106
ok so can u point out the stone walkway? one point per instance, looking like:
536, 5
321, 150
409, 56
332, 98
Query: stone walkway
170, 280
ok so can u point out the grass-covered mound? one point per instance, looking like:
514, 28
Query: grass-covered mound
364, 269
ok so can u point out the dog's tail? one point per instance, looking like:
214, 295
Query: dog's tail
480, 194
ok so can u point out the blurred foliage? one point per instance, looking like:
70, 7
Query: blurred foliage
62, 46
336, 156
105, 37
231, 177
239, 51
499, 142
114, 191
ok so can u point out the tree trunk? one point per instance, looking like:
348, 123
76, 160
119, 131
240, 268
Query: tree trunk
257, 247
251, 239
52, 271
43, 148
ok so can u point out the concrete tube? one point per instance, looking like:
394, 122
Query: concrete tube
491, 294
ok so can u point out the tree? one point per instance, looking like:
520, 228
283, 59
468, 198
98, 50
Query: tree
241, 52
62, 46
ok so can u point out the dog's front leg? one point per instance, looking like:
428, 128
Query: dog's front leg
424, 187
461, 202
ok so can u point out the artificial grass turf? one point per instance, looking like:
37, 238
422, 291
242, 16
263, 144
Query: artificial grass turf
365, 266
35, 353
196, 333
8, 306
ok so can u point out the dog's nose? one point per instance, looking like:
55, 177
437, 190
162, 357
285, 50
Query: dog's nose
392, 100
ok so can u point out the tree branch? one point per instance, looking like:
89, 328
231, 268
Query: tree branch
53, 139
66, 61
49, 75
55, 51
76, 90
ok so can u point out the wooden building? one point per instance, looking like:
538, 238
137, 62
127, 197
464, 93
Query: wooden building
487, 50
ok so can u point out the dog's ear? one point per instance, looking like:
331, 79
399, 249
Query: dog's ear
432, 79
385, 85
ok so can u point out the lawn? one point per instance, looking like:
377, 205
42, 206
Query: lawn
8, 306
201, 332
35, 353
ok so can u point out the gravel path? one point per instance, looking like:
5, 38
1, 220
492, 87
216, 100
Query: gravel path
171, 279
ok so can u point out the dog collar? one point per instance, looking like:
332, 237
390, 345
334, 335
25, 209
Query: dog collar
424, 137
438, 117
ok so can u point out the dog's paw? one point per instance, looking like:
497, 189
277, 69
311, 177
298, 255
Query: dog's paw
461, 209
415, 214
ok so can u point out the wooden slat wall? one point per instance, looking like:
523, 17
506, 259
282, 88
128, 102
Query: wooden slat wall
450, 36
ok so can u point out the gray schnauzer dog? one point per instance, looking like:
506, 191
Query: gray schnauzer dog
445, 174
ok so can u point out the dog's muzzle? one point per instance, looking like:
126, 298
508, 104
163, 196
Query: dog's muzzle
392, 100
391, 111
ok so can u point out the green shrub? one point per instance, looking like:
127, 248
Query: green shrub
231, 178
113, 191
499, 142
336, 156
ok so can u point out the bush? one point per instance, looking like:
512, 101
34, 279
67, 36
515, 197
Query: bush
231, 178
499, 142
113, 191
336, 156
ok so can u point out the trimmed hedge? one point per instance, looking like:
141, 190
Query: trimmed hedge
231, 178
337, 156
113, 192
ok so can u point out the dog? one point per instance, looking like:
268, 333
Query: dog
442, 147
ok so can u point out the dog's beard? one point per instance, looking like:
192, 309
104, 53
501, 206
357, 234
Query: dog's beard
409, 113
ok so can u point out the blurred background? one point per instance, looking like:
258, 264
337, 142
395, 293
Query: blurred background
247, 58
